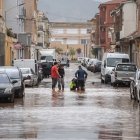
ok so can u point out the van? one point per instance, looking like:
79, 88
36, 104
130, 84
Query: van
28, 63
109, 61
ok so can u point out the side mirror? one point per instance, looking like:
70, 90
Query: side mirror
14, 81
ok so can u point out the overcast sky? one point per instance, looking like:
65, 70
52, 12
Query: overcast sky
69, 10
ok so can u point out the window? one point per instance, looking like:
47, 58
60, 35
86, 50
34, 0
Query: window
58, 31
71, 41
72, 31
83, 31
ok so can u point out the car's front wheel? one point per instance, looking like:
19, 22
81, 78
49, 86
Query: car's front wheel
102, 81
11, 98
132, 92
138, 96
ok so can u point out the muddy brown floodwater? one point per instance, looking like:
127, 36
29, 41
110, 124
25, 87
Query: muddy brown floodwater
100, 113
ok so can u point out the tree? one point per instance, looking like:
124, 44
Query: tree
72, 52
59, 50
94, 51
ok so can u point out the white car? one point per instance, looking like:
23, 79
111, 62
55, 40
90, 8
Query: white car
80, 59
31, 79
135, 87
123, 73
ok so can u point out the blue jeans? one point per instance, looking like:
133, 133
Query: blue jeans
61, 83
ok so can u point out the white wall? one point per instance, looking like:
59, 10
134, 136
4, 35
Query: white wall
129, 19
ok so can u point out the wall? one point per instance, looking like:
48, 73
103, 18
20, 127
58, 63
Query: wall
129, 22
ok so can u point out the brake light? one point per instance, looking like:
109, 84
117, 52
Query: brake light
115, 74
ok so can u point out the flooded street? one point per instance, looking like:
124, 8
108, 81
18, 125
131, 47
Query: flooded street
101, 113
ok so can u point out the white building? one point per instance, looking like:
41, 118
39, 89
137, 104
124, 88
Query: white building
129, 19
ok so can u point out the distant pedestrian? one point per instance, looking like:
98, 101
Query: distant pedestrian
55, 75
81, 76
61, 79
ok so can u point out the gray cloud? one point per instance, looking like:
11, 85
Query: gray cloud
69, 10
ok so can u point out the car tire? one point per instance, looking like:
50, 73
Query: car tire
106, 81
21, 93
132, 92
114, 84
102, 81
12, 98
138, 96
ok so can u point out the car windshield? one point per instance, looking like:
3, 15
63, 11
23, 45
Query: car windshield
4, 78
111, 62
49, 58
25, 71
13, 73
122, 67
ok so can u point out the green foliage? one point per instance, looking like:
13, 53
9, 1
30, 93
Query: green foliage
71, 52
59, 50
94, 52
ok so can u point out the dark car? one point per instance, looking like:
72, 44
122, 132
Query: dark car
97, 67
7, 89
14, 73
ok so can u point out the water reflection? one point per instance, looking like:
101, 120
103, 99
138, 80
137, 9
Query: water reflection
58, 100
108, 133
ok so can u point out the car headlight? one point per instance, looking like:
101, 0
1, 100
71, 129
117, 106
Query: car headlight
7, 90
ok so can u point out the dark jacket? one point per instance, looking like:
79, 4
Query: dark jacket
81, 74
61, 72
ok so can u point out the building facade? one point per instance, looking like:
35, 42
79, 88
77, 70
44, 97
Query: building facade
67, 36
30, 25
106, 24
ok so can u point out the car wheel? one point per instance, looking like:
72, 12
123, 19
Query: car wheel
114, 84
106, 81
21, 93
132, 92
102, 81
138, 96
12, 98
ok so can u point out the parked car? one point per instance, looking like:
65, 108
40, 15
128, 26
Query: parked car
85, 61
109, 61
96, 67
123, 73
31, 79
80, 59
135, 87
14, 73
90, 63
7, 89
